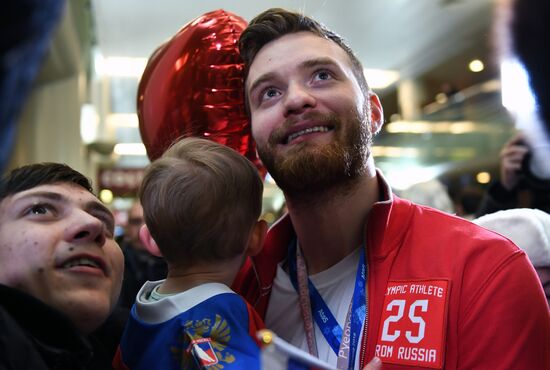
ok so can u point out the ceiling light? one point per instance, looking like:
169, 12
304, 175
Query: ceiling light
106, 196
120, 66
89, 123
476, 65
395, 151
130, 149
462, 127
483, 177
380, 78
122, 120
434, 127
401, 177
441, 98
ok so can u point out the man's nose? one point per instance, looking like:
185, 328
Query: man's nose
86, 228
298, 98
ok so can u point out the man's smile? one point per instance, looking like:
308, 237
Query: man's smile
307, 131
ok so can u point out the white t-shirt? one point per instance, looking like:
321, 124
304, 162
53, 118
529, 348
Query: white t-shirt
335, 285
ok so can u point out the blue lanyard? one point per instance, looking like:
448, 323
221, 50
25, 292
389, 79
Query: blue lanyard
323, 316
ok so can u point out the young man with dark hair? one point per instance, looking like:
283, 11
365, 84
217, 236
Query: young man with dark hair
352, 271
60, 269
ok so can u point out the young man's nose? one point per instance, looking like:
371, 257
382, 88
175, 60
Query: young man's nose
86, 228
297, 99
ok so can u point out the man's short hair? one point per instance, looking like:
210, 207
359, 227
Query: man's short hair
276, 22
200, 201
33, 175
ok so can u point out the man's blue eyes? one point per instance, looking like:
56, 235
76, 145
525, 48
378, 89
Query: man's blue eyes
272, 92
269, 93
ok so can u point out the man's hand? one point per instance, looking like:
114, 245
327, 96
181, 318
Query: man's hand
374, 364
511, 157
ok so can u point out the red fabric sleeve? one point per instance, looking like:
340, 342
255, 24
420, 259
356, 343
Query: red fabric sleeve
255, 323
506, 328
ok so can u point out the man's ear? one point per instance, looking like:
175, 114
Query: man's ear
376, 114
147, 240
257, 237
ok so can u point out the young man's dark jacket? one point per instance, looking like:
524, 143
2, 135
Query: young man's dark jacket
35, 336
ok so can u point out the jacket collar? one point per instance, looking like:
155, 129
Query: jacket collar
386, 226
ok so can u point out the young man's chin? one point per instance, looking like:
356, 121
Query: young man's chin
86, 309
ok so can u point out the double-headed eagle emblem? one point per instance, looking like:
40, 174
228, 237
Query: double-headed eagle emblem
203, 343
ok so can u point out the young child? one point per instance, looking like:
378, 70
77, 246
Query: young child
201, 203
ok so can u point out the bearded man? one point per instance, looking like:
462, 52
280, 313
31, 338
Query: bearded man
352, 272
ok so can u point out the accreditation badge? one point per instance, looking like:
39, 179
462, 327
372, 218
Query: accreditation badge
414, 321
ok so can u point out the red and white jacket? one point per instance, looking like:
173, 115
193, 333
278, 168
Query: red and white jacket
442, 292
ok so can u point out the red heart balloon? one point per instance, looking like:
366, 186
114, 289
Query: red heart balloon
193, 86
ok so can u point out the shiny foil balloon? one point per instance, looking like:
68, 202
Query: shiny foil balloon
193, 86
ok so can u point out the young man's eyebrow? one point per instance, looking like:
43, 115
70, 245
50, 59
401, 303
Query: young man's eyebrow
58, 197
45, 194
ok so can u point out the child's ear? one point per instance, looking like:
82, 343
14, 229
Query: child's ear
257, 237
148, 241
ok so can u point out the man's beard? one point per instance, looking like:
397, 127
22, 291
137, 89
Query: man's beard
308, 169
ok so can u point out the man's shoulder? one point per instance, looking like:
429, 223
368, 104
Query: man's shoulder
425, 217
453, 241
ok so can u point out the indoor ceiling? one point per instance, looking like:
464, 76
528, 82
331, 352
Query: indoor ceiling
410, 36
428, 40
